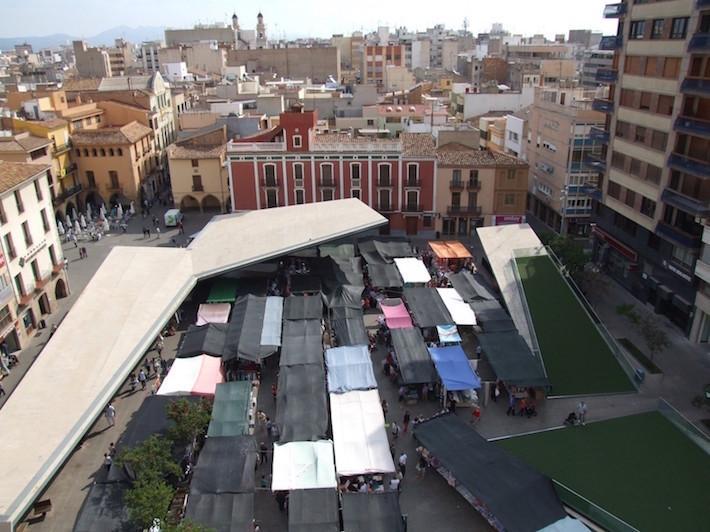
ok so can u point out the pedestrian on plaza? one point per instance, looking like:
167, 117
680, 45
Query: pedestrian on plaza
3, 365
144, 230
181, 228
107, 461
582, 412
157, 366
2, 391
163, 365
75, 240
269, 426
511, 404
475, 415
401, 393
110, 414
86, 255
395, 430
395, 483
142, 379
132, 382
403, 463
405, 421
147, 367
53, 330
263, 456
273, 391
157, 232
264, 483
111, 449
479, 350
66, 263
421, 463
384, 408
452, 405
156, 222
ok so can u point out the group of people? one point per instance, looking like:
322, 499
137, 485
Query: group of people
521, 402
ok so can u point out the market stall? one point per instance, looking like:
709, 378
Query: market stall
448, 334
349, 368
303, 466
301, 407
209, 339
313, 510
396, 314
302, 343
233, 409
384, 251
303, 308
223, 290
454, 369
512, 360
197, 375
348, 326
449, 249
491, 316
372, 512
213, 313
226, 464
222, 512
412, 271
469, 286
254, 329
426, 307
460, 311
384, 275
413, 360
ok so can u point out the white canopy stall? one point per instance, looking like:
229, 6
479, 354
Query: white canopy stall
412, 270
461, 312
303, 465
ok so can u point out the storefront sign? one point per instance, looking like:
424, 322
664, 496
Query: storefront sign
508, 219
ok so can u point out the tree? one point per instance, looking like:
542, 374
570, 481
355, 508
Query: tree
147, 500
656, 338
151, 460
191, 419
570, 253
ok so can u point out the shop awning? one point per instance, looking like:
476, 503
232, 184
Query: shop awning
224, 290
491, 316
303, 466
450, 249
213, 313
313, 510
302, 343
301, 409
448, 334
518, 497
470, 287
384, 251
372, 512
349, 326
225, 512
209, 339
198, 375
512, 360
454, 369
226, 464
230, 411
302, 283
338, 251
359, 436
461, 312
254, 330
349, 368
426, 307
413, 358
396, 314
412, 270
346, 295
384, 275
303, 308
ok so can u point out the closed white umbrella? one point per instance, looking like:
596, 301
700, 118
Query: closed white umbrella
132, 209
60, 228
102, 211
82, 221
88, 211
77, 227
68, 222
119, 211
74, 215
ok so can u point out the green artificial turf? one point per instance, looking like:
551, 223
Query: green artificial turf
577, 359
640, 468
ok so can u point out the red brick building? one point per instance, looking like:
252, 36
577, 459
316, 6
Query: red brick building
290, 164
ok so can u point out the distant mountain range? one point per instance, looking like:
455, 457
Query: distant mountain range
105, 38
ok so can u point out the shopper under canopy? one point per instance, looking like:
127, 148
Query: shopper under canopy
303, 466
454, 368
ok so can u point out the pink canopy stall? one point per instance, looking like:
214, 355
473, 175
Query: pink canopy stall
213, 313
193, 376
396, 315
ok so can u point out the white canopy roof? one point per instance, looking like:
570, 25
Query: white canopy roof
412, 270
461, 312
303, 466
359, 435
117, 318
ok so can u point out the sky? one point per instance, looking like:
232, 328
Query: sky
299, 18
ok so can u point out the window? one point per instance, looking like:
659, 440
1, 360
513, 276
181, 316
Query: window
355, 193
614, 189
297, 141
18, 201
10, 247
384, 200
19, 284
298, 173
635, 167
3, 218
38, 189
113, 177
636, 30
645, 103
652, 69
671, 67
93, 152
426, 221
618, 160
653, 174
77, 152
91, 179
102, 152
679, 28
271, 199
657, 28
300, 196
633, 65
195, 163
86, 152
659, 140
45, 220
197, 183
457, 175
509, 199
665, 105
473, 176
52, 255
384, 175
5, 316
511, 174
327, 194
326, 173
27, 234
648, 207
270, 175
630, 199
35, 270
627, 98
119, 151
640, 135
110, 152
412, 174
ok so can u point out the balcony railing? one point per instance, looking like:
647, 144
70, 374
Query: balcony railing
467, 210
599, 134
693, 126
699, 86
58, 149
606, 75
614, 10
381, 182
699, 42
413, 182
198, 188
688, 165
256, 146
595, 162
27, 294
377, 146
610, 42
412, 207
42, 281
603, 106
385, 207
269, 182
57, 267
473, 185
578, 211
677, 235
685, 203
456, 184
593, 191
66, 194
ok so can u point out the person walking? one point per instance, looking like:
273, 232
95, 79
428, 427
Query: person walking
263, 456
110, 414
142, 379
107, 461
111, 449
511, 404
395, 430
273, 391
384, 408
403, 463
157, 232
3, 393
405, 421
582, 412
421, 463
147, 366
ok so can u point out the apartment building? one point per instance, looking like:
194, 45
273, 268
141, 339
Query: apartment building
117, 164
120, 57
291, 164
148, 56
376, 60
592, 61
91, 62
477, 188
560, 139
31, 251
700, 329
656, 187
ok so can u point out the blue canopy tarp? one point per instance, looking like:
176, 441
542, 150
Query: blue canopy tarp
454, 368
349, 368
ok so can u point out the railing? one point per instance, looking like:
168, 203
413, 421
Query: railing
57, 267
456, 184
578, 211
257, 146
685, 203
464, 209
412, 207
602, 105
610, 42
614, 10
691, 166
699, 42
599, 134
413, 182
692, 85
198, 188
676, 234
473, 185
594, 162
606, 75
381, 146
384, 182
692, 126
684, 425
385, 207
270, 182
43, 279
67, 193
68, 170
58, 149
590, 510
535, 347
327, 182
26, 295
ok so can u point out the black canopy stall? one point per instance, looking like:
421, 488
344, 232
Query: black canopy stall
223, 512
349, 326
415, 364
313, 510
384, 275
301, 343
372, 512
426, 307
226, 465
303, 308
207, 339
469, 286
512, 360
301, 408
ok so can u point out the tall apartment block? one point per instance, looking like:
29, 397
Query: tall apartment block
654, 198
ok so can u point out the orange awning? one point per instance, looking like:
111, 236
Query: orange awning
450, 249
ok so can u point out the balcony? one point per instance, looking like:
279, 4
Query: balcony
599, 134
327, 182
269, 182
592, 191
685, 203
595, 163
412, 207
464, 210
66, 194
256, 146
578, 211
610, 42
474, 185
688, 165
61, 148
63, 172
26, 298
42, 281
699, 42
614, 10
697, 86
413, 182
381, 182
693, 126
677, 235
606, 75
456, 185
198, 188
57, 267
603, 106
385, 207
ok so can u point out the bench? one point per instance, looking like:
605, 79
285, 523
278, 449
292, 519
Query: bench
40, 509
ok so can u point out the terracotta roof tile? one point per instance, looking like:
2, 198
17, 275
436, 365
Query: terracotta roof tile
12, 174
22, 143
418, 145
455, 154
196, 152
128, 134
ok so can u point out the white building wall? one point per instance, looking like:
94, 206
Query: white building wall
477, 104
514, 141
